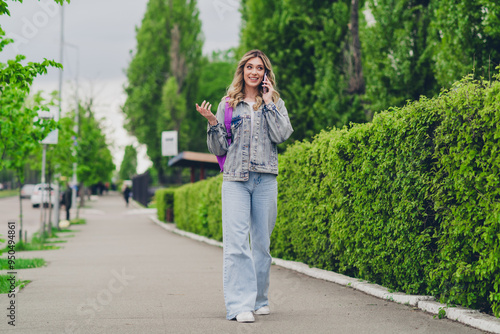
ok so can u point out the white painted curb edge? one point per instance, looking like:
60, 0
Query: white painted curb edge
172, 228
466, 316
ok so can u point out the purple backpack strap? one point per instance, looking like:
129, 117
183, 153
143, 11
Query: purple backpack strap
228, 116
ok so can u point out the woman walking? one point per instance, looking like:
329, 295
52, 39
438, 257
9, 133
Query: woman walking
249, 190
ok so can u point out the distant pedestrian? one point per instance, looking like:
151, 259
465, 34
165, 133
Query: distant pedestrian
67, 200
249, 190
126, 193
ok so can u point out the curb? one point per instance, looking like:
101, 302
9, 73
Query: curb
172, 228
428, 304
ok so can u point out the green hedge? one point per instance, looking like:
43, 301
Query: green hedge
410, 201
466, 195
164, 199
354, 200
198, 208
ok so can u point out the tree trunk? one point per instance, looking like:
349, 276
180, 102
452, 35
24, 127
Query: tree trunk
49, 227
81, 190
356, 80
20, 213
161, 173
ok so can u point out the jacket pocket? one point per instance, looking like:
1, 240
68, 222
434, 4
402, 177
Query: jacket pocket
236, 122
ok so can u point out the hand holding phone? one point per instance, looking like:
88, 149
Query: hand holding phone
264, 89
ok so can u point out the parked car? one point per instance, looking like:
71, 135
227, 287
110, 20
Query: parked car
27, 190
36, 197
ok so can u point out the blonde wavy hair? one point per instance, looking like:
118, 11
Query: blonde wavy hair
236, 90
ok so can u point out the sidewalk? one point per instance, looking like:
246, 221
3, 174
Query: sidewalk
121, 273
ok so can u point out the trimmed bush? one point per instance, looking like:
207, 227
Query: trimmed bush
354, 200
410, 201
198, 207
164, 200
467, 197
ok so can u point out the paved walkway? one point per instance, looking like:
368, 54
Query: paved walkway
121, 273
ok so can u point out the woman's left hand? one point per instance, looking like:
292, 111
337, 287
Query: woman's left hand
268, 97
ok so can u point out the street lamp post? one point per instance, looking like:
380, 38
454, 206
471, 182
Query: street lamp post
61, 48
74, 180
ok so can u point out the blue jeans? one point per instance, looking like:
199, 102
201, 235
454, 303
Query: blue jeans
248, 207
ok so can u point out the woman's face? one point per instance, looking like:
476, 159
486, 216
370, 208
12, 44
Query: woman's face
253, 72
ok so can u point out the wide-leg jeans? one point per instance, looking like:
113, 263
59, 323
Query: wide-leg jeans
249, 209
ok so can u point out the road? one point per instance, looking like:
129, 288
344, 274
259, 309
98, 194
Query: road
9, 211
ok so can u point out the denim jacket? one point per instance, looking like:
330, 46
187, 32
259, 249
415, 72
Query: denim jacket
257, 154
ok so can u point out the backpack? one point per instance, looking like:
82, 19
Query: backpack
228, 116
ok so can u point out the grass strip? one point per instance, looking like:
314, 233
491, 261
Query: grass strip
78, 221
9, 193
22, 263
30, 246
5, 283
35, 244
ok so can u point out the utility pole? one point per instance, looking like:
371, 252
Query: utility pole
75, 127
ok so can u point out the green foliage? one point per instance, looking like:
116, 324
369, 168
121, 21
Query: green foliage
168, 46
164, 199
128, 167
5, 279
409, 201
35, 244
466, 38
305, 43
198, 207
442, 313
20, 130
9, 193
467, 174
415, 47
6, 264
216, 73
95, 162
354, 200
60, 157
78, 221
397, 61
173, 106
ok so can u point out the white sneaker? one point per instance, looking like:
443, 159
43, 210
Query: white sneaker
264, 310
245, 317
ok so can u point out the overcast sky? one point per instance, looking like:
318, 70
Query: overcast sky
101, 34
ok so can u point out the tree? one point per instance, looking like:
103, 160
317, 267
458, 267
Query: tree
168, 45
416, 47
20, 129
305, 42
466, 38
173, 107
215, 75
95, 162
128, 167
396, 58
27, 130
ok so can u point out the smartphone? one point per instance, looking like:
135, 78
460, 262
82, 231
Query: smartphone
264, 89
